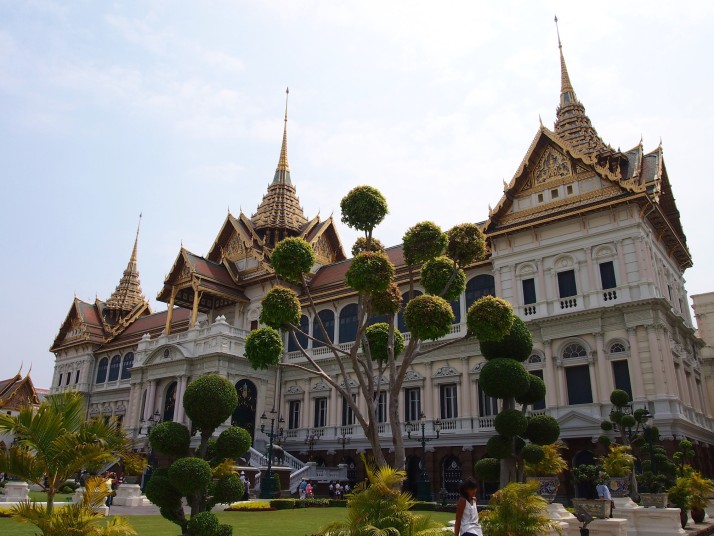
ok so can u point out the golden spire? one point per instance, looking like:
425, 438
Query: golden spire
128, 293
282, 172
572, 124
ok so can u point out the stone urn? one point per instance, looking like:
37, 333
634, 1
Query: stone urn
620, 486
597, 508
547, 486
658, 500
698, 515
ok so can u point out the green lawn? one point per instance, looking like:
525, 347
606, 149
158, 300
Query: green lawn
41, 496
301, 522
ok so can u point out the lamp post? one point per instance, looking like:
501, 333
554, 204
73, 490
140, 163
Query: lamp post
266, 484
343, 440
648, 433
149, 425
424, 486
310, 440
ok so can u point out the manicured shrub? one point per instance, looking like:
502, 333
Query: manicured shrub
363, 208
606, 426
378, 338
280, 307
233, 442
604, 440
511, 422
282, 504
532, 453
370, 272
422, 242
517, 344
388, 301
504, 378
291, 258
209, 401
229, 489
543, 430
436, 274
619, 398
535, 392
360, 245
466, 243
263, 348
170, 438
189, 474
203, 524
628, 421
161, 492
499, 447
488, 470
428, 317
490, 318
338, 503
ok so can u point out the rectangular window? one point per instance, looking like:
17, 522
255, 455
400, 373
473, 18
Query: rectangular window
554, 194
382, 407
294, 415
69, 376
540, 198
447, 396
320, 412
541, 404
529, 293
487, 405
566, 284
76, 377
579, 389
412, 404
607, 275
253, 325
348, 414
569, 189
59, 381
621, 373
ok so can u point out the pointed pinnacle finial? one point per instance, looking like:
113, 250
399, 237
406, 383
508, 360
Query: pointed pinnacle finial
136, 240
287, 94
282, 172
19, 372
567, 94
557, 30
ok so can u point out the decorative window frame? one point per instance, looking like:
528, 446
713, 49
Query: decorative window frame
617, 356
535, 365
320, 389
561, 361
413, 378
294, 392
527, 270
446, 375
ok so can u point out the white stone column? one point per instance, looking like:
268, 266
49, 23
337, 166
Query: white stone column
428, 401
665, 350
305, 413
150, 400
542, 293
551, 385
624, 276
465, 401
592, 285
604, 387
657, 371
638, 387
180, 391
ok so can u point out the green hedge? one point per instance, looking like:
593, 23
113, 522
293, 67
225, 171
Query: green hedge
289, 504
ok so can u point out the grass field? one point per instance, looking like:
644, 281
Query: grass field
302, 522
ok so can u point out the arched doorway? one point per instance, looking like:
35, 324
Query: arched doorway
244, 414
584, 489
349, 461
451, 477
411, 484
170, 402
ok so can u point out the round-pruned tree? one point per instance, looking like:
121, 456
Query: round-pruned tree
205, 478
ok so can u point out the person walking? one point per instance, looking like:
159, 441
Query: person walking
603, 491
309, 490
108, 483
302, 488
466, 512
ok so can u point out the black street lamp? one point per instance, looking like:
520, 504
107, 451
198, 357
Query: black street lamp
343, 440
424, 486
310, 440
149, 425
266, 483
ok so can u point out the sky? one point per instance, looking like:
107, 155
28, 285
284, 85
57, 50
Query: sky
174, 110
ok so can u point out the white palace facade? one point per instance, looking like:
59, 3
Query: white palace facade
586, 243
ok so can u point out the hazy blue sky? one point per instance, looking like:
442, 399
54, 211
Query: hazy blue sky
174, 109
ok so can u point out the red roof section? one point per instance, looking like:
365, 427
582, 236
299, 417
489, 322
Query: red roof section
335, 273
152, 324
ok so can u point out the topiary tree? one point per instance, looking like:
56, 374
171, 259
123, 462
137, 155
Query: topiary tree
506, 342
206, 478
434, 256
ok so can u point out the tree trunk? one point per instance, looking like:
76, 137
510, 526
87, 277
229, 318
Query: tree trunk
508, 465
397, 435
50, 500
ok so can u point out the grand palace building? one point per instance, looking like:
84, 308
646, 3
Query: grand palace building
586, 244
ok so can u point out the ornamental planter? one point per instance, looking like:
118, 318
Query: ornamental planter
698, 515
547, 486
620, 486
597, 508
658, 500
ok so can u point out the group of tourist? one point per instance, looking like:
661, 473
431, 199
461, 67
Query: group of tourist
305, 489
337, 490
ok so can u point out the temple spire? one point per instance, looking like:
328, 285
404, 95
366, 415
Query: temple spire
282, 172
572, 124
128, 293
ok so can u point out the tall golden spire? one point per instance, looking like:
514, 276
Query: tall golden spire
128, 293
279, 214
282, 172
572, 124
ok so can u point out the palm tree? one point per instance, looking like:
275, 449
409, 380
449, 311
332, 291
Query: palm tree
76, 519
516, 510
55, 441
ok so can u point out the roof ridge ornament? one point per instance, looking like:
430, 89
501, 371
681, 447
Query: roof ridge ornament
282, 172
128, 293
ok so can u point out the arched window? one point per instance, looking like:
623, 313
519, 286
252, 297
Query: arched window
170, 402
302, 339
328, 320
478, 287
400, 319
617, 348
114, 368
456, 307
452, 477
574, 350
101, 371
348, 323
127, 363
535, 359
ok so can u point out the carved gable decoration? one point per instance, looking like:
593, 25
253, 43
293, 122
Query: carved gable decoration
413, 376
323, 250
294, 390
320, 387
349, 383
445, 372
552, 165
235, 249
